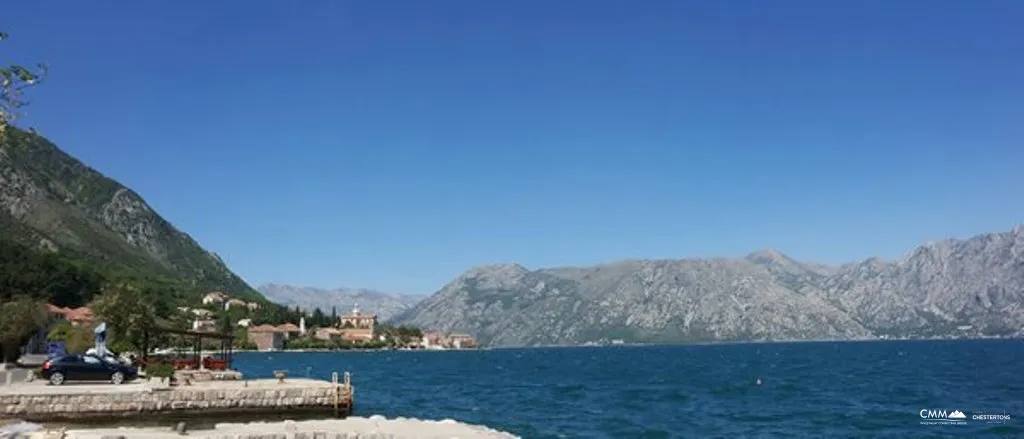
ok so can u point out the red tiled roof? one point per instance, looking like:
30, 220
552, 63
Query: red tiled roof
82, 314
263, 328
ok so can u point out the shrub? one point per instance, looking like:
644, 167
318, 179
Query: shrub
161, 370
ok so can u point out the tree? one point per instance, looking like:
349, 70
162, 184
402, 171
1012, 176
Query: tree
319, 319
20, 319
14, 79
224, 324
129, 316
76, 339
50, 276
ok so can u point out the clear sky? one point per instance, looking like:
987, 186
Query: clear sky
394, 144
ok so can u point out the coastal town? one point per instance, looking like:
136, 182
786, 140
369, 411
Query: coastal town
219, 313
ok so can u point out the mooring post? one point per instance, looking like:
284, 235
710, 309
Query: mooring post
350, 393
337, 400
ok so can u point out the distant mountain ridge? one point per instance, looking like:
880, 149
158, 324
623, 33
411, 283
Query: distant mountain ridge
972, 287
50, 201
384, 305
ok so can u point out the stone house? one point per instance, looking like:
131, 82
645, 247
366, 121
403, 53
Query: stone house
202, 313
234, 303
204, 324
328, 334
356, 326
461, 341
215, 298
266, 337
76, 316
290, 330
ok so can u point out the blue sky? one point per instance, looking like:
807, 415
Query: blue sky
394, 144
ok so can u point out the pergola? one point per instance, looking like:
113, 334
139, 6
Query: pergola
226, 343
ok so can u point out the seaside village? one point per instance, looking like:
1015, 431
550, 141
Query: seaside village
181, 363
354, 329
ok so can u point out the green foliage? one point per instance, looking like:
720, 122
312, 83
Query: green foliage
129, 315
20, 319
306, 343
274, 314
67, 214
77, 339
247, 346
373, 344
47, 276
14, 79
346, 345
319, 319
60, 331
160, 370
398, 335
241, 340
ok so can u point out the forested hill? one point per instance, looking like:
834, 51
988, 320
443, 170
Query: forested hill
65, 228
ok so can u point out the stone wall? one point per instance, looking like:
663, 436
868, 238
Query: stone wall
267, 340
207, 400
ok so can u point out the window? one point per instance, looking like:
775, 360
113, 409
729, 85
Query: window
91, 360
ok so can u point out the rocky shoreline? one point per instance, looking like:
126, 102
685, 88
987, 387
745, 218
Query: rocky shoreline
373, 427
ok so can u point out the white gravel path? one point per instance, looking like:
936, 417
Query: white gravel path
373, 427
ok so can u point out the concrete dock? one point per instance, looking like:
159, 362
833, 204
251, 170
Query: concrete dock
149, 401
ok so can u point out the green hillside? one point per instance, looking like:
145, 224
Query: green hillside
75, 223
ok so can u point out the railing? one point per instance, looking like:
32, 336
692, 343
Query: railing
182, 364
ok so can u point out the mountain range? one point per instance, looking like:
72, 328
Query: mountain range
342, 300
971, 287
66, 228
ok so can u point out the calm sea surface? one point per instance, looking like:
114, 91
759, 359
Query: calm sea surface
863, 389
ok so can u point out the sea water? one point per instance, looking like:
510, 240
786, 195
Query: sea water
826, 389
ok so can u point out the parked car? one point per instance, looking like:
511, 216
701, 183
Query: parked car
31, 360
86, 368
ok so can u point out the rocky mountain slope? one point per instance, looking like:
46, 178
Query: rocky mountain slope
950, 288
50, 201
384, 305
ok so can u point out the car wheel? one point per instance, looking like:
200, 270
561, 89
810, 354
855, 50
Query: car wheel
117, 378
57, 378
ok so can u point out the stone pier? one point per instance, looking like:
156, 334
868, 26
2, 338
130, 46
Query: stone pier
43, 403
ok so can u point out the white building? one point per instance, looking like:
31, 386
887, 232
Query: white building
215, 297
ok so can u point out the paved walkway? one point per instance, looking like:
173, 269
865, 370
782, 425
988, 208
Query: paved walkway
17, 376
40, 387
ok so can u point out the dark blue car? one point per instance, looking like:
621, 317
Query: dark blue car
87, 368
